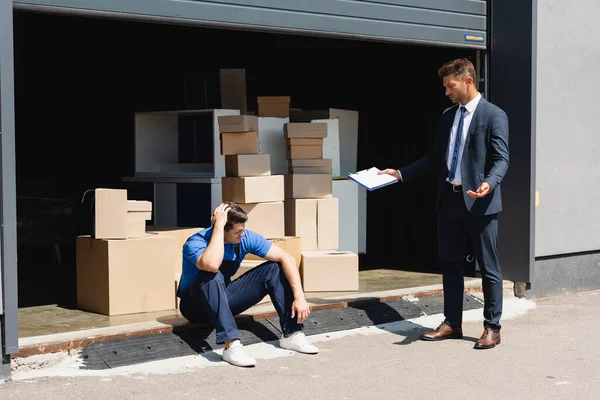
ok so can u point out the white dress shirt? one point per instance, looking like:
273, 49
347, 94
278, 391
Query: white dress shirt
470, 106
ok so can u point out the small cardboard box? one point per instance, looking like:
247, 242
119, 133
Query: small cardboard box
305, 130
311, 166
274, 106
233, 143
238, 123
110, 214
304, 142
307, 186
303, 152
253, 189
241, 165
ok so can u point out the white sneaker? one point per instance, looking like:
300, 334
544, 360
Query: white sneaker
236, 355
298, 342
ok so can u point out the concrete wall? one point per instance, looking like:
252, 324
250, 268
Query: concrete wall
568, 128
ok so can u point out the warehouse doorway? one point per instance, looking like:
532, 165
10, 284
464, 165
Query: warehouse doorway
78, 84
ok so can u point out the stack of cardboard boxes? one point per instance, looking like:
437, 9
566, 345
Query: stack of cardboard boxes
122, 269
248, 181
313, 214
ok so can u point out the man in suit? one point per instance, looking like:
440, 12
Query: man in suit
471, 154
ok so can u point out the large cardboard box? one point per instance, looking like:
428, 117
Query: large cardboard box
328, 225
239, 143
110, 213
241, 165
274, 106
301, 221
316, 221
238, 123
306, 186
329, 271
253, 189
266, 219
291, 244
117, 277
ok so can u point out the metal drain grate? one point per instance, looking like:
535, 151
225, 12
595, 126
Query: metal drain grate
192, 341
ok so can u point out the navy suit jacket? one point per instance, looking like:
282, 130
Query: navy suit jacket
485, 157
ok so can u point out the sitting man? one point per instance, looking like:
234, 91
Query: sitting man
212, 256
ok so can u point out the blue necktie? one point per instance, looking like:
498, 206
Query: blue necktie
457, 143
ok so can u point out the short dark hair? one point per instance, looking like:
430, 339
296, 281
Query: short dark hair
235, 215
461, 68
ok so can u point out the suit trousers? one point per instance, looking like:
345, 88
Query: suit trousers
455, 222
212, 300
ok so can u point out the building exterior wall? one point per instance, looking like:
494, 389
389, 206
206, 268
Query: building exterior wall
568, 124
567, 245
446, 22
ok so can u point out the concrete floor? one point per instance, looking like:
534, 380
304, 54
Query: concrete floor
542, 356
52, 319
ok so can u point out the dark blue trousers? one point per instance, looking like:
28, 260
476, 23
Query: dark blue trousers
455, 222
210, 299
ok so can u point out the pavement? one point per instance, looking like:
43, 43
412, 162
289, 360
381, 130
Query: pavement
543, 355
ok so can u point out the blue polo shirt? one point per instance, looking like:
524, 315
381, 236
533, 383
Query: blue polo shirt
251, 243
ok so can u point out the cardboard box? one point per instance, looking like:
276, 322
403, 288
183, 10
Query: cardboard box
315, 162
110, 214
301, 221
117, 277
329, 271
138, 212
238, 123
253, 189
274, 106
239, 143
266, 219
328, 225
241, 165
139, 206
310, 166
310, 170
136, 224
305, 186
303, 152
177, 277
291, 244
316, 221
304, 142
180, 236
306, 130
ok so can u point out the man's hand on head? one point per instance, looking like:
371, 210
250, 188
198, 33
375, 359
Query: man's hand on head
219, 217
